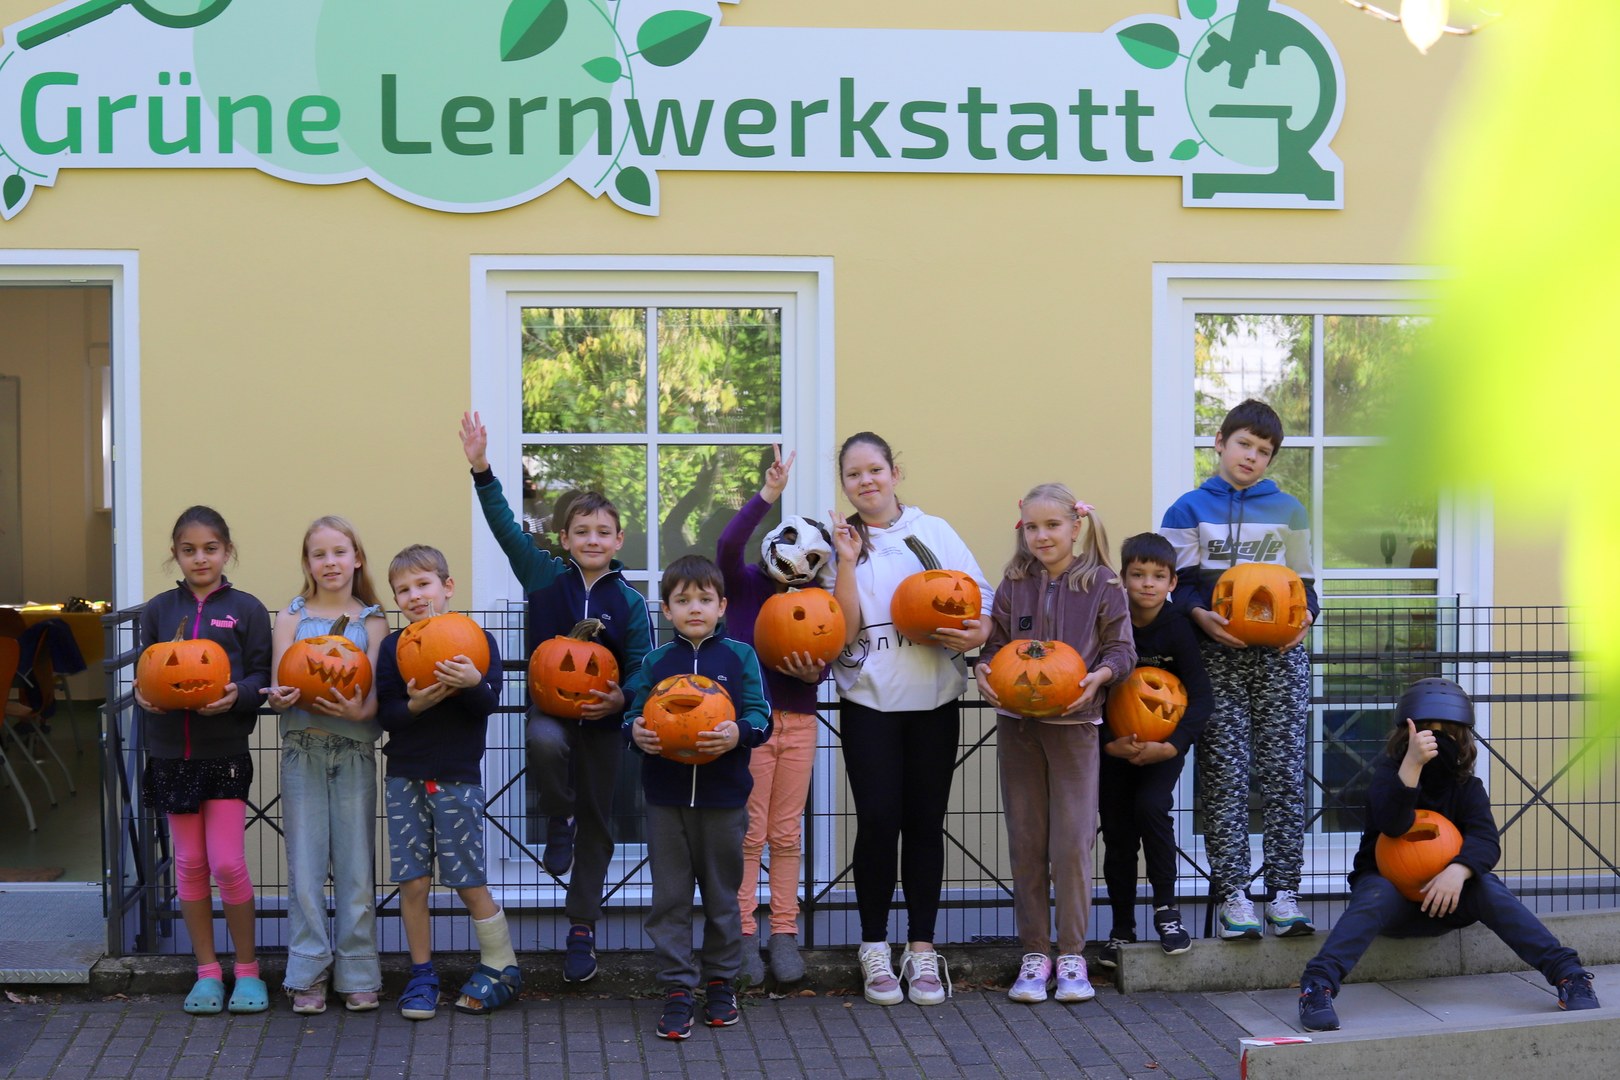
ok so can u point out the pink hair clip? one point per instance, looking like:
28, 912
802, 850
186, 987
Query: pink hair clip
1082, 508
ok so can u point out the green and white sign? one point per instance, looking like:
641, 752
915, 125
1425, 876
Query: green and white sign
479, 105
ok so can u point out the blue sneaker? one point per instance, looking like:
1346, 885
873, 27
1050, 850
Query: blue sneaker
1316, 1007
559, 856
1575, 993
579, 959
676, 1021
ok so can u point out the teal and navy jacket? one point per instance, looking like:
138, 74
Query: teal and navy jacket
725, 781
558, 596
1217, 526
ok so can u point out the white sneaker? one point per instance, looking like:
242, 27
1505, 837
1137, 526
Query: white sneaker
1285, 917
1072, 983
877, 975
1034, 976
1236, 918
923, 972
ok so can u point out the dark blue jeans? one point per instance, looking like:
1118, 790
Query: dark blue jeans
1376, 907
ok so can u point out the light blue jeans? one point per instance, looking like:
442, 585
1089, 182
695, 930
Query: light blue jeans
329, 812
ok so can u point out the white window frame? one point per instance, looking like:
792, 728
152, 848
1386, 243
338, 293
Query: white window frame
1466, 554
501, 286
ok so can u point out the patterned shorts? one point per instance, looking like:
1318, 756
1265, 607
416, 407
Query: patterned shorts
449, 820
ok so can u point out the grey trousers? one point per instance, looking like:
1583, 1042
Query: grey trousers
701, 845
575, 767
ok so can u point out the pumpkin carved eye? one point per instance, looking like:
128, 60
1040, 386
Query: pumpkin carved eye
798, 614
592, 667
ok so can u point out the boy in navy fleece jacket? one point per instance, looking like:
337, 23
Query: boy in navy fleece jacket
433, 787
697, 814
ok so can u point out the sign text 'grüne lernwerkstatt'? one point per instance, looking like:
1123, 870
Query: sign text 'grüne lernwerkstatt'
483, 104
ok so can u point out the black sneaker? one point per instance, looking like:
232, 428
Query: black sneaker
579, 959
1575, 993
719, 1004
1173, 937
1108, 957
1316, 1007
676, 1022
559, 856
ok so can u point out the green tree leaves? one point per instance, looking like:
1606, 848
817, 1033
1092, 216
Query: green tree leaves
13, 190
1153, 45
531, 27
671, 36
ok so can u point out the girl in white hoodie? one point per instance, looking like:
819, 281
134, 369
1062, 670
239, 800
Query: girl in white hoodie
900, 719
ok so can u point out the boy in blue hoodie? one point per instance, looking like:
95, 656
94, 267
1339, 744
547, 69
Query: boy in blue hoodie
1262, 695
697, 814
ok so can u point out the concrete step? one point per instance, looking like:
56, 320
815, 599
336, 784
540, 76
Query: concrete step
1215, 965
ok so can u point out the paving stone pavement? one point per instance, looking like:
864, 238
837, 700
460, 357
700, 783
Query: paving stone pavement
977, 1033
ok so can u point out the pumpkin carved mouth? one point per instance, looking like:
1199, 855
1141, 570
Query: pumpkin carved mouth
190, 686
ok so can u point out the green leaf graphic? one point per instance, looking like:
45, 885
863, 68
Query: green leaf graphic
1152, 45
1201, 9
671, 36
1185, 150
634, 186
603, 69
15, 188
531, 27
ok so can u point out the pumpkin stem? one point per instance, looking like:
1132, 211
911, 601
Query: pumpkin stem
180, 634
1035, 650
929, 560
586, 629
337, 626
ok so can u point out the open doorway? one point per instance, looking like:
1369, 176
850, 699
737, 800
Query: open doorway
56, 562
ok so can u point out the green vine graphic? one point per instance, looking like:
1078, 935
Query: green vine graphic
663, 40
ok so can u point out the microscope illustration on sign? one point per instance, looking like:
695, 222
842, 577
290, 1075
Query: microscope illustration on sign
175, 14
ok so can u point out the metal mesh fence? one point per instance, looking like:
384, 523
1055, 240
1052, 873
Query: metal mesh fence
1548, 760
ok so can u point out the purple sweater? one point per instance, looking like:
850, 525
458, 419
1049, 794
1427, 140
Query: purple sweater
747, 589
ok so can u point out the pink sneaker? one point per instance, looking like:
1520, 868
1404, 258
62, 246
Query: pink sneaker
1072, 984
1034, 977
927, 977
877, 975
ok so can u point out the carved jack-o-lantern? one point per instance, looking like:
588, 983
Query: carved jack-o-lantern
564, 670
799, 621
182, 674
1263, 603
439, 637
1036, 678
1149, 704
682, 707
933, 599
329, 666
1410, 861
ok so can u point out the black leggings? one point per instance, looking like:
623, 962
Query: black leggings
1134, 802
900, 766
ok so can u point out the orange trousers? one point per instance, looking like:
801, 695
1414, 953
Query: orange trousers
781, 768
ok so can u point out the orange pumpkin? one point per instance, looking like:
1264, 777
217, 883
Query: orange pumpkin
564, 670
329, 665
799, 621
439, 637
1263, 603
933, 599
1410, 861
183, 674
682, 707
1036, 678
1149, 704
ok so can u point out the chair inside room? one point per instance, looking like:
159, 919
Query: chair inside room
9, 653
29, 702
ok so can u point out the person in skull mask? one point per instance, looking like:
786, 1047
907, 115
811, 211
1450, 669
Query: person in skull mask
795, 554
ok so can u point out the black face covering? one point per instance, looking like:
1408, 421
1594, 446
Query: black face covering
1447, 754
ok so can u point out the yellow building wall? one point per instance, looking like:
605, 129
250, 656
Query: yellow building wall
304, 350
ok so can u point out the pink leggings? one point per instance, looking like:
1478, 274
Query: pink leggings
212, 839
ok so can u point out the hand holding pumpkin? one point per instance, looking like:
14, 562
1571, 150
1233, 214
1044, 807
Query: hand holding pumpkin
458, 673
424, 699
1304, 632
1089, 688
1214, 625
224, 704
1442, 893
646, 739
802, 666
281, 698
720, 740
1126, 747
343, 708
982, 672
144, 704
474, 441
1151, 753
607, 702
974, 632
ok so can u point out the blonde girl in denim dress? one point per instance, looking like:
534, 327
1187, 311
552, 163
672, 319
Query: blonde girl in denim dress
329, 783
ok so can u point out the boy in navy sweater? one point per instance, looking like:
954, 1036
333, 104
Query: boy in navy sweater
435, 796
697, 814
573, 765
1137, 780
1262, 695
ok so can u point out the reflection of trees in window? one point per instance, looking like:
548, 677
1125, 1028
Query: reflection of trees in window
700, 387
